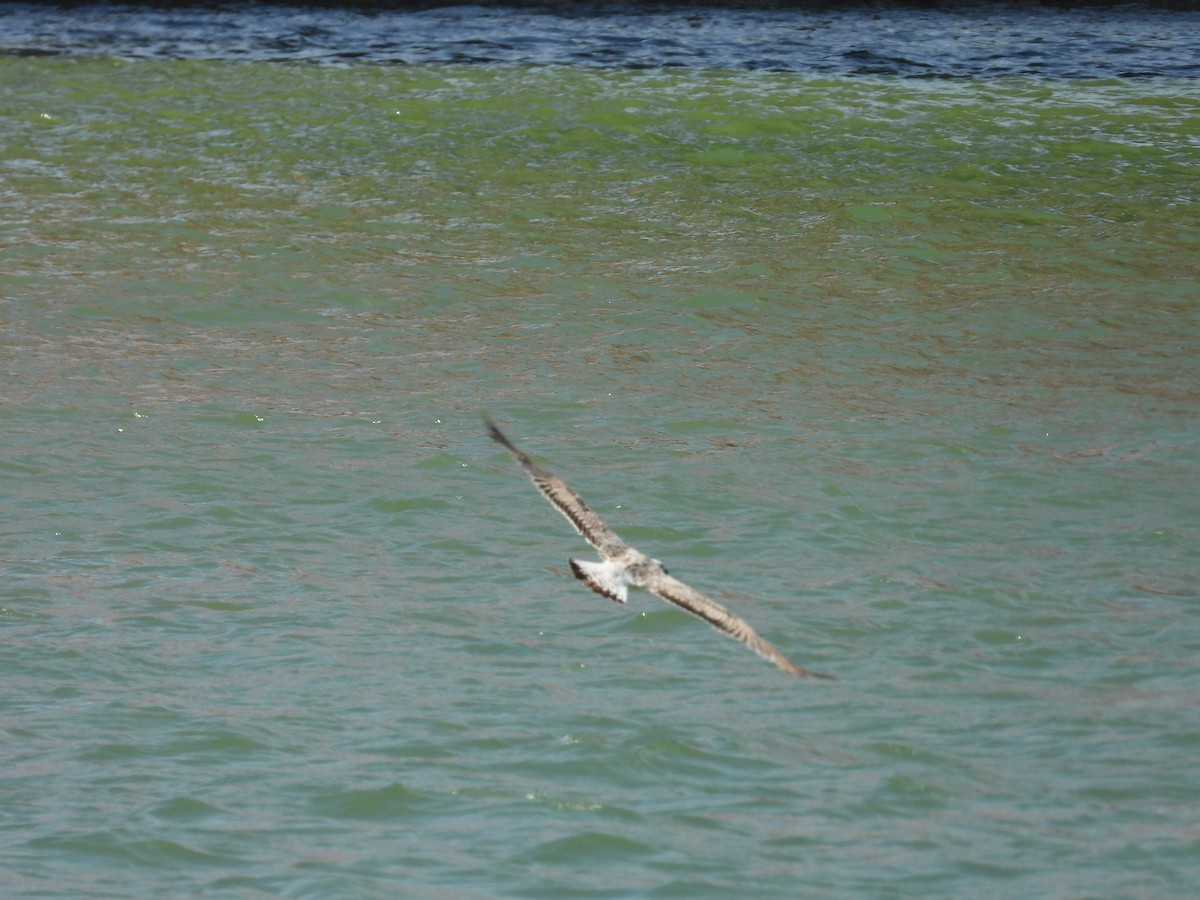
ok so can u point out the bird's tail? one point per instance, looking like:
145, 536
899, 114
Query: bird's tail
605, 578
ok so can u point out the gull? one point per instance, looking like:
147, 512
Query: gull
621, 565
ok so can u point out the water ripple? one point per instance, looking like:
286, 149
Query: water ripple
925, 42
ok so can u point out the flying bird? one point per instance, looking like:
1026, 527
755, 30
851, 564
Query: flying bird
621, 565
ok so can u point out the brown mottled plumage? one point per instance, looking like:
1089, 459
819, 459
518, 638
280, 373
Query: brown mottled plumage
621, 565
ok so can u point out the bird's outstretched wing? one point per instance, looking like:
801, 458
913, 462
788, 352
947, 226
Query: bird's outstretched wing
675, 591
565, 500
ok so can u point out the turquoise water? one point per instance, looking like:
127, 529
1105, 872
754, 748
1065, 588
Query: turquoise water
903, 372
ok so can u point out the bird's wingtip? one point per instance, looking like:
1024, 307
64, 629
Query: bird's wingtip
494, 431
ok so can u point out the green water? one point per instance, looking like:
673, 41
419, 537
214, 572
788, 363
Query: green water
904, 372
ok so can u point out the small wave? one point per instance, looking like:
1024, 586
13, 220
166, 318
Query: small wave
868, 39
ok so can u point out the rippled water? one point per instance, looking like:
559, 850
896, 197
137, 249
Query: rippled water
903, 371
962, 40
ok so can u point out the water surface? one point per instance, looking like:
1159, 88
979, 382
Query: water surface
911, 40
904, 371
